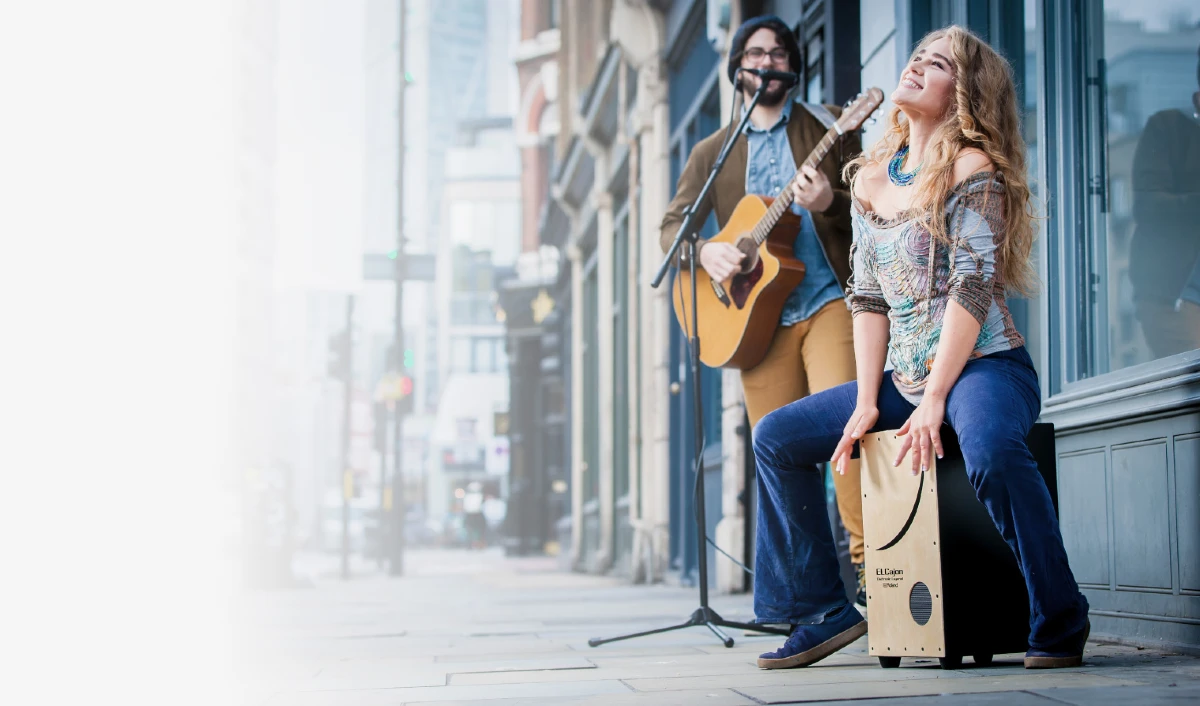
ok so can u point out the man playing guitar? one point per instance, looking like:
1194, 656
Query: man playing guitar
813, 348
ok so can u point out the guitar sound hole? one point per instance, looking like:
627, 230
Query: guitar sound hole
741, 285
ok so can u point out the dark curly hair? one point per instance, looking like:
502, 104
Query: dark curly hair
783, 34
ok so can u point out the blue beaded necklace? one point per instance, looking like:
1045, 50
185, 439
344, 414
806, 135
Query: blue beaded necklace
898, 177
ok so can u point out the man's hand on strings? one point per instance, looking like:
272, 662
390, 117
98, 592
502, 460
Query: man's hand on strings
720, 260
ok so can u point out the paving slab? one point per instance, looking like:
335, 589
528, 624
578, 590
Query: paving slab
479, 646
698, 641
624, 669
718, 697
481, 628
1187, 694
394, 673
682, 661
805, 677
636, 650
439, 694
474, 653
538, 664
353, 676
961, 684
1007, 698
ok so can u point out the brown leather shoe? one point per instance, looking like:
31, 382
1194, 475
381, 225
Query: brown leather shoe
1070, 654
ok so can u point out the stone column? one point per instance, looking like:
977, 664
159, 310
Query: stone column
639, 28
631, 393
656, 317
577, 462
604, 290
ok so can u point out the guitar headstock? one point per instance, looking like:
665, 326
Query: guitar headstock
861, 108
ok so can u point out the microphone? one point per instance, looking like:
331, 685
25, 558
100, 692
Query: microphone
786, 77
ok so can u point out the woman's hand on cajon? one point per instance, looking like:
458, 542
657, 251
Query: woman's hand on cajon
860, 423
921, 434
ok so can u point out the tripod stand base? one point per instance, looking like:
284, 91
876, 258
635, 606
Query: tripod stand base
702, 617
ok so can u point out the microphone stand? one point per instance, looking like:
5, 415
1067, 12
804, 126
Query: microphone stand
688, 232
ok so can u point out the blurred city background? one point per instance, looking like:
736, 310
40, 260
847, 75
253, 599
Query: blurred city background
448, 222
333, 363
463, 432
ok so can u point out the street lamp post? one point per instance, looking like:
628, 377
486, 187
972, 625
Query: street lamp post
396, 565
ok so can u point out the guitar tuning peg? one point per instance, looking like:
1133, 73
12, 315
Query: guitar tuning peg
872, 121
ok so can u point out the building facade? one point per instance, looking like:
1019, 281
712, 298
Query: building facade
1104, 87
538, 488
594, 111
638, 83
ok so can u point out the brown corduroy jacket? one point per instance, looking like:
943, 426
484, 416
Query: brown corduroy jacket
804, 132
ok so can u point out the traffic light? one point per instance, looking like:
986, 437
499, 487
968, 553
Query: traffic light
396, 392
338, 358
404, 405
410, 359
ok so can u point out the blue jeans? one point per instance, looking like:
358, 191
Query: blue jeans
992, 408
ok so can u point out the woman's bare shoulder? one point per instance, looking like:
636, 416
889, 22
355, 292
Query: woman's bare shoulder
971, 161
866, 182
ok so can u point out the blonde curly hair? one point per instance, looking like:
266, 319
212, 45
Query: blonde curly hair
984, 115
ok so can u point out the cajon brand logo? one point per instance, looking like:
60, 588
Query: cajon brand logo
889, 578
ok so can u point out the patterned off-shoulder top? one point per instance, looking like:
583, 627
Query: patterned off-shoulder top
894, 274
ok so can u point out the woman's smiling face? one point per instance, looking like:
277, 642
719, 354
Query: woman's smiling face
927, 82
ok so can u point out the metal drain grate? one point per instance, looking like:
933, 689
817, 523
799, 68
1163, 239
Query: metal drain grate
920, 603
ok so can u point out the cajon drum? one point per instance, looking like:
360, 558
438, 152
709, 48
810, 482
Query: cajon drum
941, 581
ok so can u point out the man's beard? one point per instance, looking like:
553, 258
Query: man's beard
774, 95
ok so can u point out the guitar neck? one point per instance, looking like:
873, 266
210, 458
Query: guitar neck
784, 201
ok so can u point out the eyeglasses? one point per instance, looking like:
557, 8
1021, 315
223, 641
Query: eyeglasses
778, 55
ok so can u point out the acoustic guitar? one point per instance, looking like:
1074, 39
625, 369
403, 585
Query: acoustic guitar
738, 321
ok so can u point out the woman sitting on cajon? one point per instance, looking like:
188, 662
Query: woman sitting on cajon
943, 229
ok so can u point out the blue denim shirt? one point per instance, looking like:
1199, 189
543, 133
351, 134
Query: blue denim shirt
769, 167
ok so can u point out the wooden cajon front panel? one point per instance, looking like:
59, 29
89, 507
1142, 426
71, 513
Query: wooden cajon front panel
900, 530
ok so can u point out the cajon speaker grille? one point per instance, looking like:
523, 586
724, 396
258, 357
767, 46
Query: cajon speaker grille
920, 603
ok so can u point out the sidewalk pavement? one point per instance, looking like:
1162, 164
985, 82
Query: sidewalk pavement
477, 628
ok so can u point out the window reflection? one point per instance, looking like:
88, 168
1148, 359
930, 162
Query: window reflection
1153, 142
1025, 63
